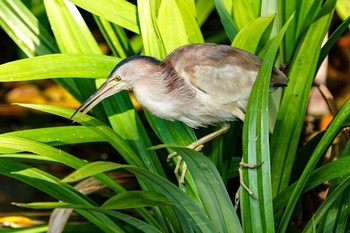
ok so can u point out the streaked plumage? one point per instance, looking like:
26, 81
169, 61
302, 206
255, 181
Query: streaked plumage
198, 84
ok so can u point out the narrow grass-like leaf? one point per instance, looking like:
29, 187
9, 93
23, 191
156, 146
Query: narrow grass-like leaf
135, 199
116, 38
267, 7
53, 153
285, 138
259, 212
332, 40
211, 190
70, 30
73, 36
319, 176
188, 14
332, 130
226, 19
187, 207
25, 157
336, 218
122, 13
343, 9
111, 136
138, 224
307, 13
24, 29
37, 229
62, 157
182, 21
92, 169
58, 155
52, 186
251, 11
60, 135
203, 8
249, 37
151, 38
285, 10
57, 66
326, 205
28, 33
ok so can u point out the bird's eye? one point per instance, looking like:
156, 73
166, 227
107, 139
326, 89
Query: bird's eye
117, 78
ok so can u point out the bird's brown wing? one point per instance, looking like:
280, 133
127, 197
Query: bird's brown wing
220, 71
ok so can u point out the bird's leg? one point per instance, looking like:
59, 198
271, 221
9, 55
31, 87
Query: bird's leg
197, 146
241, 181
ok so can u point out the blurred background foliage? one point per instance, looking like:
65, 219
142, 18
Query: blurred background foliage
53, 50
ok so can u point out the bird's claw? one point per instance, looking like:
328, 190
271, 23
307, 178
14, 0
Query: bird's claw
181, 178
241, 181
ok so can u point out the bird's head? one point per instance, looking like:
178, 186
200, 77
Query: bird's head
124, 76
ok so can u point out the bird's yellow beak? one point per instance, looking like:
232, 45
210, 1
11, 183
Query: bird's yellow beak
107, 89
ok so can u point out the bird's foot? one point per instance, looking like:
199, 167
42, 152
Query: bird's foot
241, 181
181, 178
197, 146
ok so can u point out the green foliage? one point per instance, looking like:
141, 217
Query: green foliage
73, 58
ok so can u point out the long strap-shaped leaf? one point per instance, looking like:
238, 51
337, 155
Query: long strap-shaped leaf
122, 13
52, 186
259, 212
342, 116
285, 139
189, 209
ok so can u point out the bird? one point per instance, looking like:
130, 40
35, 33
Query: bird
197, 84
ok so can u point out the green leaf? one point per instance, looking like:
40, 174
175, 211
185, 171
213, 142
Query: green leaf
187, 207
332, 40
135, 199
250, 8
115, 37
52, 186
153, 44
104, 131
138, 224
250, 36
286, 135
23, 144
259, 212
177, 13
122, 116
331, 132
25, 29
63, 135
288, 47
92, 169
57, 66
212, 191
73, 36
122, 13
338, 192
319, 176
70, 30
203, 9
54, 154
336, 218
342, 8
227, 21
